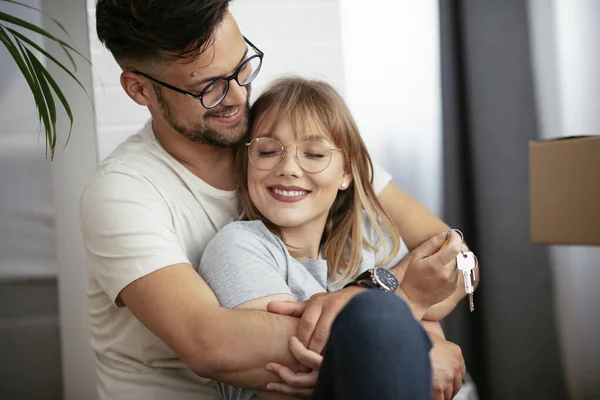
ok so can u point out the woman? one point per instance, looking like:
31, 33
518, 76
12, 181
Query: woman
312, 222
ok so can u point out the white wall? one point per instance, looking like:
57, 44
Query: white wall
393, 87
351, 46
301, 37
26, 206
566, 44
28, 256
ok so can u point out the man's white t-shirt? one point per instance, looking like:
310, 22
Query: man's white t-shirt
141, 212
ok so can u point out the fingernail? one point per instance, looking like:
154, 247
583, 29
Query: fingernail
269, 387
269, 368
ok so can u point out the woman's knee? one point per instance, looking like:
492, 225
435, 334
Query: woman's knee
375, 313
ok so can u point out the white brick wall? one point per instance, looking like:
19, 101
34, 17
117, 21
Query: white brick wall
347, 44
297, 36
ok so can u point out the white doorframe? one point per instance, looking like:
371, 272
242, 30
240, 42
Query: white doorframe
72, 168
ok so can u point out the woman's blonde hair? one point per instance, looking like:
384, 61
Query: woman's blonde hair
314, 106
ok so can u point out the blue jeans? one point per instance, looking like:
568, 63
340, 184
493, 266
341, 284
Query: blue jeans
376, 350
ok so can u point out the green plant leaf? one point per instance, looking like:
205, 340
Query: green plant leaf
14, 52
40, 81
56, 22
45, 53
62, 28
62, 99
29, 26
41, 101
48, 97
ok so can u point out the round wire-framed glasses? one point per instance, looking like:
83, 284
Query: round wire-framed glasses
313, 156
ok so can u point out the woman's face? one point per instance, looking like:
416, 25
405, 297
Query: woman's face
287, 195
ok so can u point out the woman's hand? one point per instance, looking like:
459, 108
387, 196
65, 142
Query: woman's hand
297, 383
431, 274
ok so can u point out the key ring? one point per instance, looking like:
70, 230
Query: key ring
462, 240
462, 237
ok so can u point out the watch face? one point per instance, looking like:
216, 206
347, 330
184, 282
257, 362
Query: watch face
386, 279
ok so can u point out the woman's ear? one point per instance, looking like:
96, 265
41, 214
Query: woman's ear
346, 179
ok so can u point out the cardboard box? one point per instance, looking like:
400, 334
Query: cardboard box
564, 177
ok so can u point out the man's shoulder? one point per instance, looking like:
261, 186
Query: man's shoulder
139, 158
135, 154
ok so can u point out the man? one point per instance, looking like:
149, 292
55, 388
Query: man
157, 201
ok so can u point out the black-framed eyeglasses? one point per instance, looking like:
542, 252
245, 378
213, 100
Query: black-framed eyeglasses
214, 93
313, 156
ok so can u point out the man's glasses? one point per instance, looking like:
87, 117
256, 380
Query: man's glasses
214, 93
313, 156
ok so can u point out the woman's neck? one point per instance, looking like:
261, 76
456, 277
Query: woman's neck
305, 240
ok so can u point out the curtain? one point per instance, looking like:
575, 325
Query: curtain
510, 342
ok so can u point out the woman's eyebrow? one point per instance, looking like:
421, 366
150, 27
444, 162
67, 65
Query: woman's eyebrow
313, 137
265, 135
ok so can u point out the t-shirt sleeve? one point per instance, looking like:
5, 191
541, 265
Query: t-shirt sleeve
127, 232
380, 178
383, 249
240, 265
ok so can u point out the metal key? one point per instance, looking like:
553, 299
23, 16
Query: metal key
467, 262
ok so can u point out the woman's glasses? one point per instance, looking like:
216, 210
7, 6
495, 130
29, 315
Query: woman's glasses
312, 156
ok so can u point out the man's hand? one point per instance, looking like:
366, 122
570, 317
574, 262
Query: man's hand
448, 366
429, 272
316, 315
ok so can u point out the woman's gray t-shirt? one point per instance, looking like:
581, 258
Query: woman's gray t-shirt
245, 261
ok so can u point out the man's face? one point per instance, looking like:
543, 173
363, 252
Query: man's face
224, 125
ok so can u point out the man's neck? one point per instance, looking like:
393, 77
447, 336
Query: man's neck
214, 165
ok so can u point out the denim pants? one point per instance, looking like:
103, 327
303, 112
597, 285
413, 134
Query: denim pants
376, 350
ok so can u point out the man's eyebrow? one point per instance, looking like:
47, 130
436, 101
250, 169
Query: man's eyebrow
212, 78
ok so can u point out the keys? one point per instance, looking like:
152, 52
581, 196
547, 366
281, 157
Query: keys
467, 263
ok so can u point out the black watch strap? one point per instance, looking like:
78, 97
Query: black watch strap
368, 274
367, 284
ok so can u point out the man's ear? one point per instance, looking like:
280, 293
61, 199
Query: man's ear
138, 88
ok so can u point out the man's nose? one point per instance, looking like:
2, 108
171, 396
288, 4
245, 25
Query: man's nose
236, 94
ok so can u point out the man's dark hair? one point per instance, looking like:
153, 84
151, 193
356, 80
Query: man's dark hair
153, 30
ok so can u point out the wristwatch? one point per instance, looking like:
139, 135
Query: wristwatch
377, 278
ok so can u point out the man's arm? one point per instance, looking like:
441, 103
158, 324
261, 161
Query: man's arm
261, 304
232, 346
447, 362
137, 258
416, 224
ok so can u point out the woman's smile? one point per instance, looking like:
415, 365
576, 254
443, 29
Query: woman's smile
288, 194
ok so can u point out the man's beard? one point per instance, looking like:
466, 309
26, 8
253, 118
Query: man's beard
201, 132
